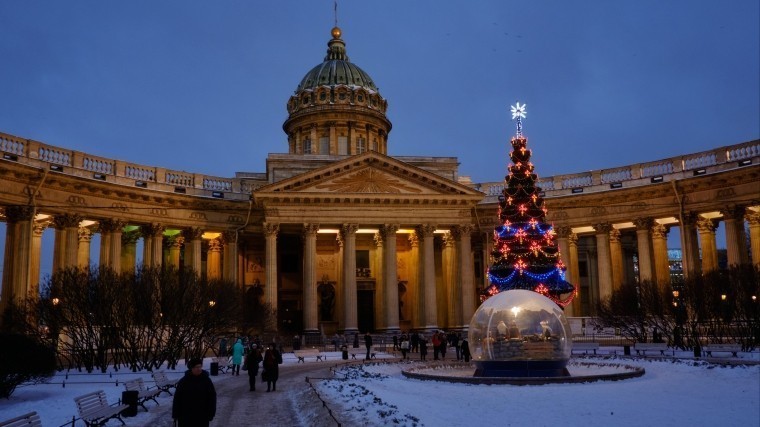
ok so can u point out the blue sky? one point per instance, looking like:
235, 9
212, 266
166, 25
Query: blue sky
202, 86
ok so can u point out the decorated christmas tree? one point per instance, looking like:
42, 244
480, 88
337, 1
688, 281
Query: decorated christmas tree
525, 255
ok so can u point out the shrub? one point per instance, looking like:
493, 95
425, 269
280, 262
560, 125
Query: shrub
23, 360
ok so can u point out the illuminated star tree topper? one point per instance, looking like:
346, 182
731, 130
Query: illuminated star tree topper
518, 112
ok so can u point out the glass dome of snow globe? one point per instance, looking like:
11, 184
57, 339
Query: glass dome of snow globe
520, 333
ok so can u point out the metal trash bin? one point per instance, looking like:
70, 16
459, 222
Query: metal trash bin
344, 351
129, 397
627, 350
214, 369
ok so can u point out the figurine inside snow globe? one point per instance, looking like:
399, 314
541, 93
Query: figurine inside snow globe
520, 333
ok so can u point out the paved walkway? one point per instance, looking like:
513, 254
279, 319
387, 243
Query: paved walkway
293, 404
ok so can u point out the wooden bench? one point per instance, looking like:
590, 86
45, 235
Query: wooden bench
143, 394
94, 409
585, 347
309, 352
722, 348
31, 419
642, 348
163, 383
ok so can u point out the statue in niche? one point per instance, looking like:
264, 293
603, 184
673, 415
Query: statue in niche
255, 265
327, 301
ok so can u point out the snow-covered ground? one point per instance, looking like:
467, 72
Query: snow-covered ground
678, 392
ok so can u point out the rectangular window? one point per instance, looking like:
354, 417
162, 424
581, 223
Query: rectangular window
361, 145
374, 144
362, 263
342, 145
307, 146
324, 145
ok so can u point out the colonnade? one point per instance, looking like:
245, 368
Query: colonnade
698, 244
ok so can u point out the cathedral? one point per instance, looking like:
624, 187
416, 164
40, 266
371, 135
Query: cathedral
341, 236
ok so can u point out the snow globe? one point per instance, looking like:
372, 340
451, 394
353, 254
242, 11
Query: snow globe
520, 333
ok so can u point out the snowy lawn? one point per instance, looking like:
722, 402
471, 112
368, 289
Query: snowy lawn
678, 392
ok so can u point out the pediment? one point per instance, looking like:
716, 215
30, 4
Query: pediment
369, 174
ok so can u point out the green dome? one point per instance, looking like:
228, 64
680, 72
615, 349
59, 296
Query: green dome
336, 69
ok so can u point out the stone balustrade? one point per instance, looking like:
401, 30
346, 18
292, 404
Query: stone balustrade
85, 165
640, 174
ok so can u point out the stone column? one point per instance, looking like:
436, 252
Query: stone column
390, 268
340, 290
563, 242
616, 257
466, 275
214, 260
690, 245
349, 277
487, 249
174, 245
643, 241
310, 303
425, 234
230, 256
270, 290
18, 254
660, 251
413, 289
754, 235
153, 236
34, 273
733, 218
83, 253
706, 228
573, 271
129, 251
110, 243
193, 249
445, 288
314, 139
603, 259
379, 273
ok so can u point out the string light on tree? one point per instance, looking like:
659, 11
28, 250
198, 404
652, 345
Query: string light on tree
525, 253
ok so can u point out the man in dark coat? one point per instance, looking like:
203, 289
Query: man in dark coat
465, 350
272, 360
195, 399
368, 343
252, 365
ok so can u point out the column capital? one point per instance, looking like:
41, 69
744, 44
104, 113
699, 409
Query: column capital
449, 239
572, 239
110, 225
734, 212
153, 230
425, 231
310, 228
602, 228
85, 234
214, 245
462, 229
378, 239
40, 226
228, 236
271, 229
175, 241
339, 239
753, 217
130, 237
414, 240
66, 221
192, 233
659, 231
614, 235
644, 223
388, 230
349, 229
563, 231
706, 225
16, 213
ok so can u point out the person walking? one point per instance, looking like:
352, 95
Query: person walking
368, 344
464, 348
237, 356
272, 360
194, 402
422, 341
252, 365
404, 346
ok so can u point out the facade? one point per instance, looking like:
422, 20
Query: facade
342, 237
